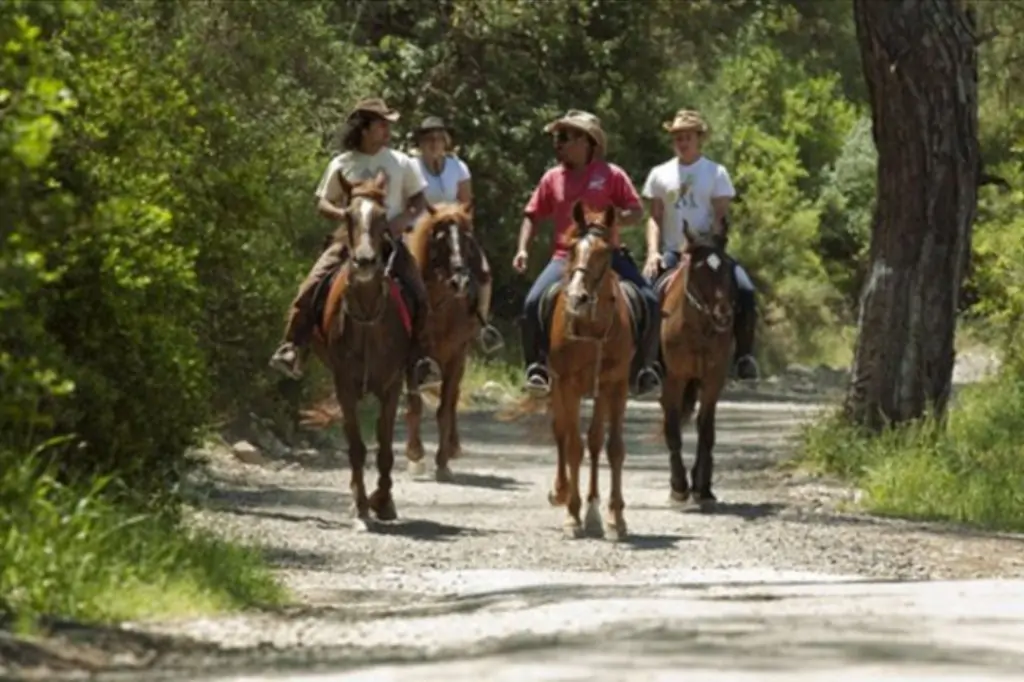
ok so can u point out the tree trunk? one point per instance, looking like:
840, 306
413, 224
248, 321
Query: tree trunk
920, 64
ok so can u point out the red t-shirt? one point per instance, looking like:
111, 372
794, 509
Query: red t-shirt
599, 185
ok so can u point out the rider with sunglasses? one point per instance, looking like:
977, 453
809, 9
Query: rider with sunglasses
582, 175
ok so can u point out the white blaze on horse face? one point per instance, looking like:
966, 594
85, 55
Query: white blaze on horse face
364, 250
714, 262
453, 232
576, 288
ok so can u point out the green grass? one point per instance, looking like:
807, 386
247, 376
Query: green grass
71, 552
971, 472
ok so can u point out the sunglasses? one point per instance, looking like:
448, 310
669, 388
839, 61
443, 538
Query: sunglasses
564, 136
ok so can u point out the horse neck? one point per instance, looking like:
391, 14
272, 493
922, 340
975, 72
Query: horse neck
364, 298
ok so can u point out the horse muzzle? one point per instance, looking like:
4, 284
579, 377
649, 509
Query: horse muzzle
459, 283
364, 268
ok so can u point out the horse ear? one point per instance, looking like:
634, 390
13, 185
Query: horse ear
381, 179
431, 209
688, 232
346, 186
468, 207
578, 216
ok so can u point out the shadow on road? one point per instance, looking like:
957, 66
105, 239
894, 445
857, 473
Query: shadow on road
488, 481
426, 530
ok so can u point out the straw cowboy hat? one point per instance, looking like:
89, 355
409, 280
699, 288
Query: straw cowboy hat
376, 106
584, 122
431, 124
687, 119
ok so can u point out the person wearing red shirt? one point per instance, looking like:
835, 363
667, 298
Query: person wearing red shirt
582, 174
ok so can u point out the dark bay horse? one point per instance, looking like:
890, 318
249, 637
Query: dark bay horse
696, 340
365, 341
443, 245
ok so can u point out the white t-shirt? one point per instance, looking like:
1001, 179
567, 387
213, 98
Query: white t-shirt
403, 173
444, 187
686, 192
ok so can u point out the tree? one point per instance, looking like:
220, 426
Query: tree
920, 65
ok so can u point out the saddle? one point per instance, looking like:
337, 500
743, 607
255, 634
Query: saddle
400, 293
630, 292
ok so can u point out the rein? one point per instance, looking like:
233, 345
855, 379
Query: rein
373, 319
701, 306
591, 315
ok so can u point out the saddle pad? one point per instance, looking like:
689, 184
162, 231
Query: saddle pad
634, 302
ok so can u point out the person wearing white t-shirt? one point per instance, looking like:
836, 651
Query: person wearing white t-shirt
366, 154
448, 180
692, 189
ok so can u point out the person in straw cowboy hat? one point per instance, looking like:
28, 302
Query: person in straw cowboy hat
691, 187
449, 180
582, 174
366, 153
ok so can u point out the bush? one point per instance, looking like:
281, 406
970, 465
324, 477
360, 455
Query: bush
970, 471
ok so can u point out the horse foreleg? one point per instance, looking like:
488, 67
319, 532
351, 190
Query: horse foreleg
446, 423
704, 464
460, 373
559, 495
616, 406
569, 403
413, 416
381, 502
672, 413
356, 453
595, 440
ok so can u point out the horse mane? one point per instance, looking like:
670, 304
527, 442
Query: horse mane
418, 241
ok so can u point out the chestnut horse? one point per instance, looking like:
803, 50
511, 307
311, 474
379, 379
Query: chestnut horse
696, 344
365, 341
591, 349
444, 248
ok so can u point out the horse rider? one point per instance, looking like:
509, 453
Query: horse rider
692, 188
449, 180
366, 153
582, 174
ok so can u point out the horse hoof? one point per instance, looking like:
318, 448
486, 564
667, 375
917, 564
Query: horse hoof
444, 474
417, 468
573, 529
362, 524
387, 512
617, 531
592, 522
705, 503
679, 497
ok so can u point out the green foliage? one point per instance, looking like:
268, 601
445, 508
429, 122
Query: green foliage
68, 550
968, 471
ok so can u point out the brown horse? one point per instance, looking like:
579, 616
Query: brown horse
590, 354
365, 341
696, 341
444, 248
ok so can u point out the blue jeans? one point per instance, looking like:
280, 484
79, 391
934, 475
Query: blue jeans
535, 344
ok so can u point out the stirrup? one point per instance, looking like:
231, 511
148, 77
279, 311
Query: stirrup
490, 339
538, 381
748, 361
656, 383
290, 368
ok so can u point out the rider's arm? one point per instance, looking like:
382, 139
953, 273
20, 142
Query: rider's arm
720, 198
655, 196
654, 223
413, 186
330, 194
464, 192
539, 207
625, 198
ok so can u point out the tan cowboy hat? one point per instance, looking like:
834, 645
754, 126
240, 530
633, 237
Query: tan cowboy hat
377, 106
687, 119
583, 121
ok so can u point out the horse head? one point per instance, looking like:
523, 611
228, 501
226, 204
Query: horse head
365, 226
710, 285
444, 238
590, 258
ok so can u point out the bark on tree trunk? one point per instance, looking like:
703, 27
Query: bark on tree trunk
920, 64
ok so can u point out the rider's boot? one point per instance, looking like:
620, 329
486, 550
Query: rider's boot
290, 357
426, 372
646, 369
538, 381
744, 327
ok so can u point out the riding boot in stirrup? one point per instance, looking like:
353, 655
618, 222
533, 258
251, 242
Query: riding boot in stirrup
745, 325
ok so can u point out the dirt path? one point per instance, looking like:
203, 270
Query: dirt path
477, 581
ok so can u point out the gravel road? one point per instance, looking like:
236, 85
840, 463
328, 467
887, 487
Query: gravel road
477, 581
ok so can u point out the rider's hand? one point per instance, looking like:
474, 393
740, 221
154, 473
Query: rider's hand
519, 262
652, 265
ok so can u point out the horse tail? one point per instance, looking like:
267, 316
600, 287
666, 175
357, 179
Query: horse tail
321, 415
524, 407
